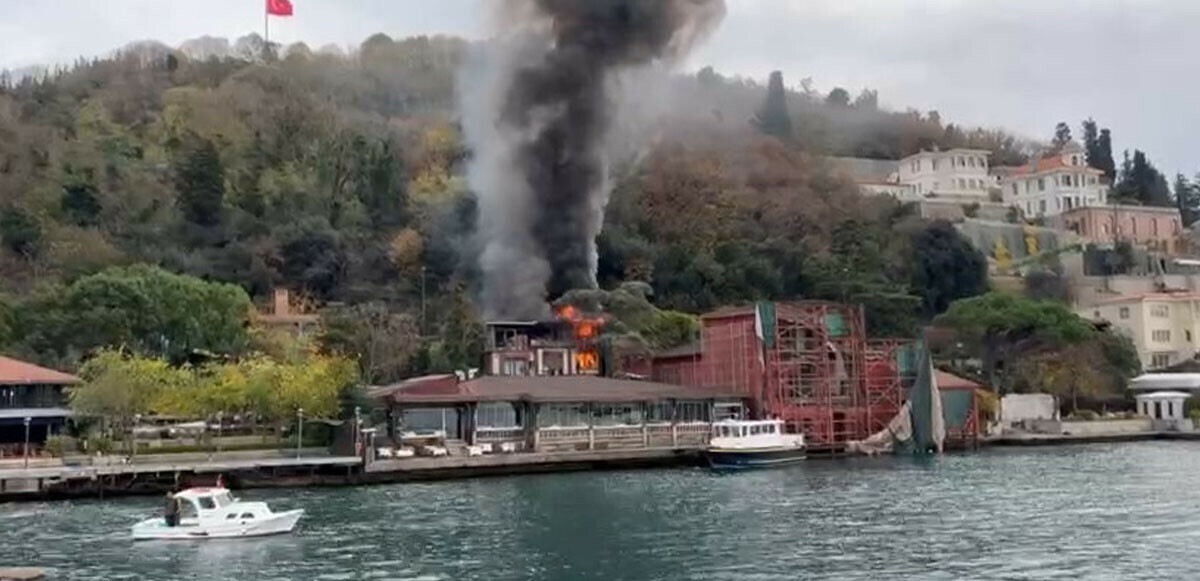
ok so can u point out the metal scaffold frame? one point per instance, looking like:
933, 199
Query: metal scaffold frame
816, 379
887, 380
815, 369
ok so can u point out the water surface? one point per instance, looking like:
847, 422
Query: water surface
1098, 512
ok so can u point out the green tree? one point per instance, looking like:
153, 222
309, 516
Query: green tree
1062, 136
200, 182
773, 118
81, 204
384, 343
462, 334
945, 267
1091, 143
1142, 183
145, 309
1104, 160
1187, 199
838, 97
118, 387
20, 232
1005, 327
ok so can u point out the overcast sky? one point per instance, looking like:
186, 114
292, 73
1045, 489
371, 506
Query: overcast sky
1018, 64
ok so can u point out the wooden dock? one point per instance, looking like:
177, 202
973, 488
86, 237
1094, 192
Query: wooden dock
157, 477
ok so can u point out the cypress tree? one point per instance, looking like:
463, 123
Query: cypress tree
773, 118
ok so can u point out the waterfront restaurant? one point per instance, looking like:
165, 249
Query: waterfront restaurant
554, 413
33, 395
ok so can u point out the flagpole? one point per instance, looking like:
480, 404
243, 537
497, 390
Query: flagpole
266, 24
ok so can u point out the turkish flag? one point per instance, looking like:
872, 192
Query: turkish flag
279, 7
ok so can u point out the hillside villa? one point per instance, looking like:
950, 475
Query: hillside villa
1053, 185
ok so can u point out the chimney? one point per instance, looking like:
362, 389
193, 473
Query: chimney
282, 307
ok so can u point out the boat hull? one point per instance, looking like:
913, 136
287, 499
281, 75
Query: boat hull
750, 459
189, 530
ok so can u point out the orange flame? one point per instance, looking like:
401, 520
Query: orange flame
585, 328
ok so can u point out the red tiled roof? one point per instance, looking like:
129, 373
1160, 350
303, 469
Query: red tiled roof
562, 388
1043, 165
13, 372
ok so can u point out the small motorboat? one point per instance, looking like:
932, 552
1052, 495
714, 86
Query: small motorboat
739, 444
213, 513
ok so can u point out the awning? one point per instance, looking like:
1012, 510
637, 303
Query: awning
20, 414
1165, 381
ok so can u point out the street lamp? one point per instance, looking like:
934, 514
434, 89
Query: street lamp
357, 431
28, 420
299, 429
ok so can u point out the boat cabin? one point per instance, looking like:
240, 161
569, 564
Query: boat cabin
196, 503
747, 428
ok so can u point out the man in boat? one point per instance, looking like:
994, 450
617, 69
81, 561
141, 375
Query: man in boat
172, 510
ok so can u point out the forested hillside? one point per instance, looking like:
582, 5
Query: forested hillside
340, 176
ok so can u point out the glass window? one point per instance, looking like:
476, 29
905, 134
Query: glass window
1124, 313
934, 163
562, 415
231, 515
206, 502
1160, 360
971, 161
1160, 311
1161, 335
429, 420
1014, 189
1041, 184
693, 411
1042, 207
498, 415
246, 515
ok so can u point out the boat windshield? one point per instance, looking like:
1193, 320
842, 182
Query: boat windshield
223, 499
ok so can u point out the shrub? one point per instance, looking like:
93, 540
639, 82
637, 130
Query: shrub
101, 444
56, 446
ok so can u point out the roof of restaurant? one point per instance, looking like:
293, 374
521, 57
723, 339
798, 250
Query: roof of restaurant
562, 388
14, 372
946, 380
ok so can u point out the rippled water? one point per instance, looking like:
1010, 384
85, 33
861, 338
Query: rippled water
1120, 511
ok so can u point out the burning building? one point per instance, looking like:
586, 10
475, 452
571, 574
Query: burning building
565, 345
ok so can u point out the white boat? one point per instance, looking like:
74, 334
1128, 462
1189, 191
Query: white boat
738, 444
213, 513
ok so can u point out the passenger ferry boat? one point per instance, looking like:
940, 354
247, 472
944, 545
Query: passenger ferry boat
738, 444
213, 513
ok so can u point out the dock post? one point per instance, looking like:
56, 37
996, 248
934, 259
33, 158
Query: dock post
645, 436
674, 435
591, 437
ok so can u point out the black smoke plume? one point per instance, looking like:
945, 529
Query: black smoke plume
542, 117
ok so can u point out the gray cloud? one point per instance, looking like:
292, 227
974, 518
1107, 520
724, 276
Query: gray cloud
1020, 64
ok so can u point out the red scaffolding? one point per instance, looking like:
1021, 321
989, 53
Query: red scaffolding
808, 363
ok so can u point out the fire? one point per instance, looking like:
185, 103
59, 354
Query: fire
584, 328
587, 361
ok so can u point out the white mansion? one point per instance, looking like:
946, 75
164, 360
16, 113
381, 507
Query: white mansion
1045, 187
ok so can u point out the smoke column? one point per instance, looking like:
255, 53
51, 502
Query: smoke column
538, 105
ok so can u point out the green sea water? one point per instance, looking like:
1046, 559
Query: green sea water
1097, 512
